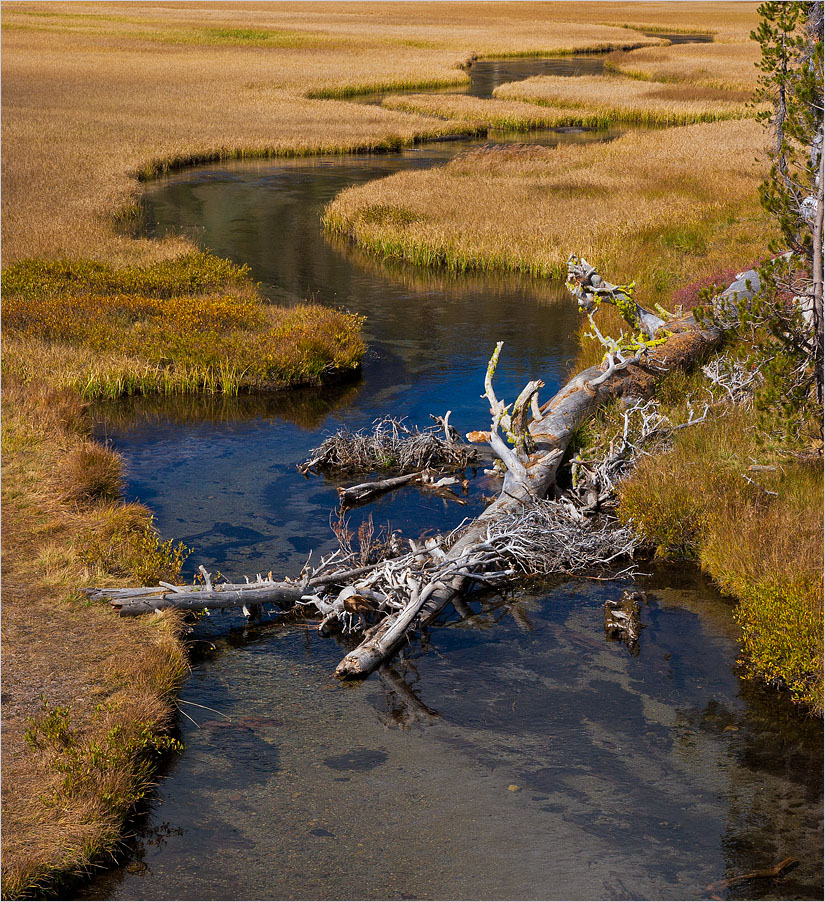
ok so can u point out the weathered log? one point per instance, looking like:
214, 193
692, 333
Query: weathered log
146, 600
761, 874
196, 598
531, 475
351, 496
358, 494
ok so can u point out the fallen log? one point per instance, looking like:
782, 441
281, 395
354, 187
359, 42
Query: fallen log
350, 496
539, 448
519, 533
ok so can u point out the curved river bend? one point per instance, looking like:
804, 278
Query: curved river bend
515, 754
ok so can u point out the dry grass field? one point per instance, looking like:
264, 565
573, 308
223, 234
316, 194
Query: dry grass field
724, 67
627, 100
99, 96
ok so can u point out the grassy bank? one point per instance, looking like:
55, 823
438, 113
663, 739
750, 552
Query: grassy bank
511, 115
97, 94
86, 696
194, 324
663, 207
722, 67
621, 100
748, 508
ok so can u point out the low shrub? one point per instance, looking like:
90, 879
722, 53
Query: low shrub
122, 542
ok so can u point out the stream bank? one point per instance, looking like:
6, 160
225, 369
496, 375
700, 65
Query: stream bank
547, 762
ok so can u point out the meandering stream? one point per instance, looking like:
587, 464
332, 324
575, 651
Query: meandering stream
516, 754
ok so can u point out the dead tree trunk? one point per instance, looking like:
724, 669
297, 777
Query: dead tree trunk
518, 533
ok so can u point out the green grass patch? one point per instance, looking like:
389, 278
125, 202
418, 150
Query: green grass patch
195, 273
194, 324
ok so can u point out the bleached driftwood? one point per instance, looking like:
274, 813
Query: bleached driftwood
521, 532
365, 491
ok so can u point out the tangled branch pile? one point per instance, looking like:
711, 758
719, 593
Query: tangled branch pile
390, 445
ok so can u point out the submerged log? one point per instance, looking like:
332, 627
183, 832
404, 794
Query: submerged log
519, 533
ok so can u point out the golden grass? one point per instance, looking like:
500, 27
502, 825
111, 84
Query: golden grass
725, 21
625, 100
97, 94
60, 808
478, 113
725, 67
114, 346
194, 324
663, 207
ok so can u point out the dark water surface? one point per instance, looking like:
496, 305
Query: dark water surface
515, 754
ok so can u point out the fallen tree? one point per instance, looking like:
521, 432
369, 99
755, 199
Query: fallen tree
524, 531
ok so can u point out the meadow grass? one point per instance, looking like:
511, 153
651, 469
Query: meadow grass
92, 104
627, 100
662, 207
66, 791
725, 67
499, 114
106, 332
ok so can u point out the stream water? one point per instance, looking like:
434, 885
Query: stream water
514, 754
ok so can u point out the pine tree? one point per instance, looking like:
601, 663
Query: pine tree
785, 323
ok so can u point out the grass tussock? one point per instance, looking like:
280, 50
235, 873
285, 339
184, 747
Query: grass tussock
663, 208
144, 335
723, 67
93, 473
627, 100
761, 541
82, 727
